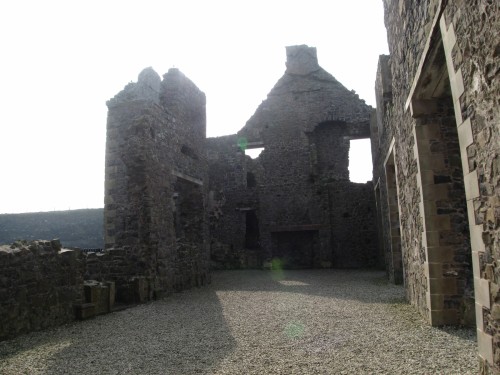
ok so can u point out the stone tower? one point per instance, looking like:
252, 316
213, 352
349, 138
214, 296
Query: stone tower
155, 194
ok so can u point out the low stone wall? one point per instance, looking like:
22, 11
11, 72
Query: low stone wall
40, 283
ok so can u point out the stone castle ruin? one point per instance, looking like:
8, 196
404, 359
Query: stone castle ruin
294, 203
178, 204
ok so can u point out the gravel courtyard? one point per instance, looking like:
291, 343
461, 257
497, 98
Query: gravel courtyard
255, 322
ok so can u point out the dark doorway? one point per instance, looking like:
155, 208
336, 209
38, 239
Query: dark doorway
294, 250
252, 234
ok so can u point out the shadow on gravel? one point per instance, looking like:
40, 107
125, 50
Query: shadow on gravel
362, 285
183, 334
187, 333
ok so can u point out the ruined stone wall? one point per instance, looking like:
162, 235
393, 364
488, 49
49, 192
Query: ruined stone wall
304, 125
233, 194
155, 147
460, 40
396, 124
39, 286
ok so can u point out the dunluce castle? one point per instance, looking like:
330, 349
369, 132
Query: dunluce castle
178, 204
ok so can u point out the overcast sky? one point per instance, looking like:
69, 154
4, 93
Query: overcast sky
61, 61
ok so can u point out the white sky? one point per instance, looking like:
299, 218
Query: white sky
61, 60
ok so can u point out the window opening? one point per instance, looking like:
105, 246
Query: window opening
360, 160
254, 152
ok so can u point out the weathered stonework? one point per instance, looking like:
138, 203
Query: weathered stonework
156, 224
294, 203
39, 285
438, 119
177, 203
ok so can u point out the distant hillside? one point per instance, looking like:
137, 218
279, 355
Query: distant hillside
75, 228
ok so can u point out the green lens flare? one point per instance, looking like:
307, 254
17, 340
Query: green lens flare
294, 330
242, 143
277, 269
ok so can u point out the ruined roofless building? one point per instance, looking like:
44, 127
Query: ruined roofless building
436, 147
294, 204
174, 198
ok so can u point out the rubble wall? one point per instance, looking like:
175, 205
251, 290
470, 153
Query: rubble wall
39, 286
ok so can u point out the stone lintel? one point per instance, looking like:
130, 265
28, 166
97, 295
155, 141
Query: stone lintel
187, 177
256, 144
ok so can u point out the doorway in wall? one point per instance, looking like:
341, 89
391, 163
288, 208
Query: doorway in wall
294, 250
447, 240
252, 234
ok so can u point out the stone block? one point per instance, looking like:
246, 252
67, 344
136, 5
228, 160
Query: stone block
465, 138
428, 132
482, 292
436, 192
440, 254
485, 346
427, 177
112, 293
442, 286
99, 295
85, 311
140, 289
436, 301
431, 163
437, 222
435, 270
471, 185
444, 317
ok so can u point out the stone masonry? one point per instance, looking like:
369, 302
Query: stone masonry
294, 204
177, 203
156, 180
39, 285
436, 151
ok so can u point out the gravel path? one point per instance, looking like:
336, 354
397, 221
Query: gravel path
255, 322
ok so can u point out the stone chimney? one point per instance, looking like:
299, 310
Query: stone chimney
301, 60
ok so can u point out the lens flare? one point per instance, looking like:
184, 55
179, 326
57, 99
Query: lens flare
294, 330
242, 143
277, 269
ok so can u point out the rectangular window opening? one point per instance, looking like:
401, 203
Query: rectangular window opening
360, 160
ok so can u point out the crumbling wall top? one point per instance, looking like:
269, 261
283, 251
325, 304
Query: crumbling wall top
146, 88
